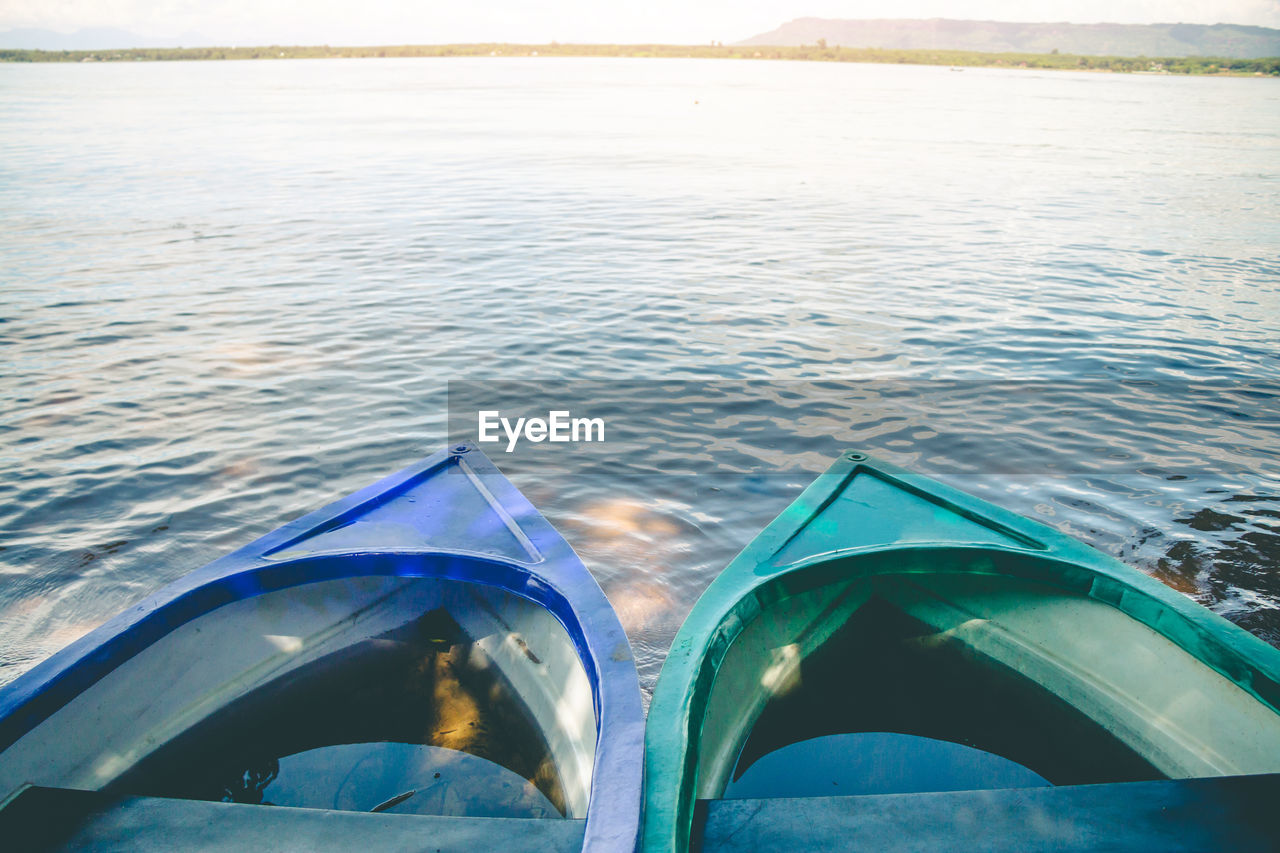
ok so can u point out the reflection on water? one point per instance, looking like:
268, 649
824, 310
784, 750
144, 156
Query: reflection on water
420, 711
648, 536
640, 605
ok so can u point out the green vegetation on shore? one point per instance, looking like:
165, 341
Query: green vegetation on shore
817, 53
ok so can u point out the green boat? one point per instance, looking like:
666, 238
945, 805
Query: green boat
893, 664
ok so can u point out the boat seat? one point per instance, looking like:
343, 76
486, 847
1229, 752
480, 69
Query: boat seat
863, 763
1236, 813
42, 820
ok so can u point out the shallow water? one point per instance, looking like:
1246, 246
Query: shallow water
235, 291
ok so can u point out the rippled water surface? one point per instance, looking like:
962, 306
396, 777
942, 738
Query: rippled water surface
234, 291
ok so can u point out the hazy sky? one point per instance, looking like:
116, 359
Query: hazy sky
672, 21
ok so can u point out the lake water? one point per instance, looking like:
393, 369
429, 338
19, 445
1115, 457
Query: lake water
235, 291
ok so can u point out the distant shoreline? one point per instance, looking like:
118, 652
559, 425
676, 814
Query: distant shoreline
1189, 65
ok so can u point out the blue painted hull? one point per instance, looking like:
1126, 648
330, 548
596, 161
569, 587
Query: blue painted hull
452, 522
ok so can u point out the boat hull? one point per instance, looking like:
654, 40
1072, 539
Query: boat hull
443, 576
884, 619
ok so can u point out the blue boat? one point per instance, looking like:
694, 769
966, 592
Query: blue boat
423, 664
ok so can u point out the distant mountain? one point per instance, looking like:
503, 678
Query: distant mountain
100, 38
1226, 40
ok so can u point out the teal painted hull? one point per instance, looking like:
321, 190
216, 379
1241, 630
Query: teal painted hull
889, 635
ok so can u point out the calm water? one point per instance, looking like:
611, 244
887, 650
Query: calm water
235, 291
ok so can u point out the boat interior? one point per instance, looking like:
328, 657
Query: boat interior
952, 672
376, 698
